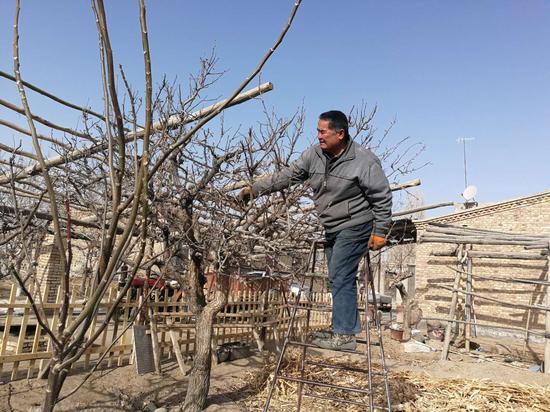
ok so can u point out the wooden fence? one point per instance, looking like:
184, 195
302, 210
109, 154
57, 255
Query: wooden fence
250, 316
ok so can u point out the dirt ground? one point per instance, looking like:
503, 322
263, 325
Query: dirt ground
121, 389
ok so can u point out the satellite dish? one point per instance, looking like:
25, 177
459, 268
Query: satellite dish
469, 193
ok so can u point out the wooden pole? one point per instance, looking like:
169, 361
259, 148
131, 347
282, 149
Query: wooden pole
497, 255
487, 325
468, 304
155, 340
454, 300
477, 240
547, 335
176, 346
421, 209
507, 304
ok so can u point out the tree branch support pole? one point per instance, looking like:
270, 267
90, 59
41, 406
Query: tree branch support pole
155, 340
452, 310
469, 299
547, 329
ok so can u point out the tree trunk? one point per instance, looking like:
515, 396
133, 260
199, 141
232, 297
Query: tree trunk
199, 377
53, 388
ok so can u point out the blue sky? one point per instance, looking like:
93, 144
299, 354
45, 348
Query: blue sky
442, 69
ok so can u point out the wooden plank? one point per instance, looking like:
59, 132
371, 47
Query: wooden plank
547, 323
91, 331
177, 350
116, 320
154, 340
53, 322
111, 296
21, 339
165, 308
500, 255
480, 296
452, 309
36, 340
25, 357
468, 303
7, 324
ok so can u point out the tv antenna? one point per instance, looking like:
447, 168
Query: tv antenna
463, 140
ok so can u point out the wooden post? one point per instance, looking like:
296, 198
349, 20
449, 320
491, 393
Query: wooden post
454, 300
154, 336
7, 324
176, 345
468, 304
547, 329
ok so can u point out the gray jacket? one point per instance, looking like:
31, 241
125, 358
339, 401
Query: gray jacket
348, 191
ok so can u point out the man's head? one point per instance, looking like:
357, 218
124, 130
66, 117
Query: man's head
332, 132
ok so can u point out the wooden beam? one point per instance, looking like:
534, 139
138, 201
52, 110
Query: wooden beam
420, 209
547, 322
431, 226
477, 295
452, 309
480, 241
500, 255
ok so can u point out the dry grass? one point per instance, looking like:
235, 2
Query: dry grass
410, 391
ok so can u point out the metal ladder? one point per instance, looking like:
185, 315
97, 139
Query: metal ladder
372, 318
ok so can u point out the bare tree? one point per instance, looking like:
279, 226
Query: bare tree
106, 172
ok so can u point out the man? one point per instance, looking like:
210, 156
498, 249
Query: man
353, 199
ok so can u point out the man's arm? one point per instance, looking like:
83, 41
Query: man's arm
297, 172
377, 190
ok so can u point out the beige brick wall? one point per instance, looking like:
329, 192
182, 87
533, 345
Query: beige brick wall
530, 215
49, 271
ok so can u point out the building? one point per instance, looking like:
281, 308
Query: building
528, 215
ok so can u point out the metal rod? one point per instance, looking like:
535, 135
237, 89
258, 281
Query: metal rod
309, 345
378, 323
331, 398
312, 395
324, 384
339, 367
366, 283
313, 257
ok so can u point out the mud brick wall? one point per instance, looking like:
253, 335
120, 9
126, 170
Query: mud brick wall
529, 215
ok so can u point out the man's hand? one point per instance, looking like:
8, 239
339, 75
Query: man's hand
376, 242
245, 195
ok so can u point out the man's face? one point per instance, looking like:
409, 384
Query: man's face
331, 141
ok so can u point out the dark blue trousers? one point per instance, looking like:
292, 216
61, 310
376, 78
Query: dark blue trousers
344, 250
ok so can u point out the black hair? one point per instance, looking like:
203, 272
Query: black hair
336, 121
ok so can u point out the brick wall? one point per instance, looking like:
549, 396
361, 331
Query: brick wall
529, 215
49, 271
